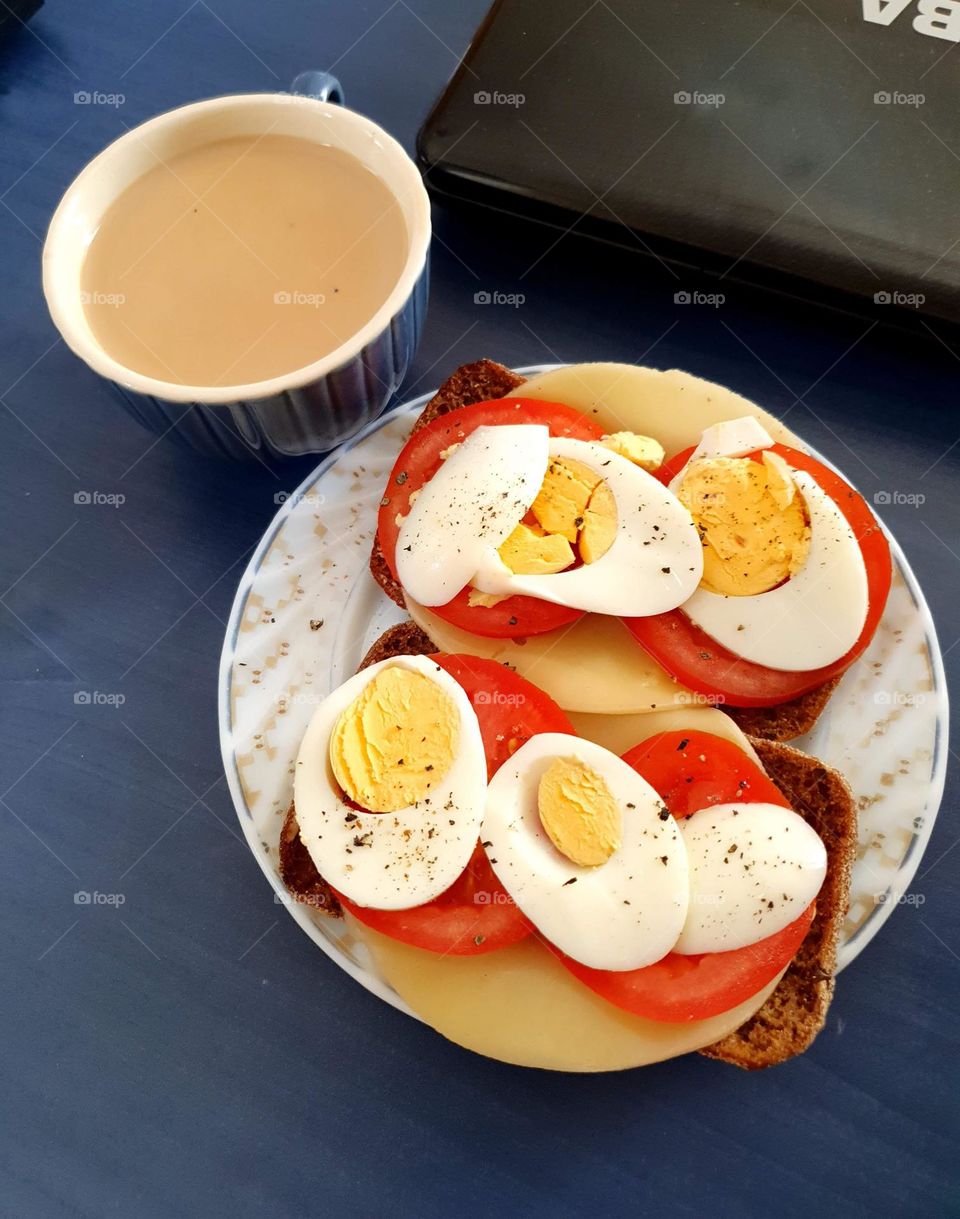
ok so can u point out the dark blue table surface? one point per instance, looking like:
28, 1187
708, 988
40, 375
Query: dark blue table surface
190, 1052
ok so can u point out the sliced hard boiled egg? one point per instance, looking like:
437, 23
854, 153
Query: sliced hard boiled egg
560, 799
814, 617
732, 438
754, 869
402, 736
471, 505
653, 563
785, 583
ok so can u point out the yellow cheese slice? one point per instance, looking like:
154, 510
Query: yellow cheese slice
673, 407
521, 1006
594, 665
618, 733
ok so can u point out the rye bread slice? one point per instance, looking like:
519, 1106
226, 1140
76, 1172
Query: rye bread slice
299, 872
469, 384
786, 720
796, 1011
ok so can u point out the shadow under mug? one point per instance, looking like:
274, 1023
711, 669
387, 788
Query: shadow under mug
311, 409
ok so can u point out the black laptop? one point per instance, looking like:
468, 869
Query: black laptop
812, 141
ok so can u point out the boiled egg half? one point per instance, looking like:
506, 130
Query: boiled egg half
784, 581
390, 783
588, 851
506, 508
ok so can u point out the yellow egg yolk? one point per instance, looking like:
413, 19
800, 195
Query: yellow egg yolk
574, 507
531, 551
396, 740
578, 812
643, 451
752, 523
574, 503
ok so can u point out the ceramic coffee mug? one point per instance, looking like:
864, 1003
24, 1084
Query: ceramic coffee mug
310, 409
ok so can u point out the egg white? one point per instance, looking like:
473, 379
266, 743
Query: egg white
754, 868
451, 535
814, 617
469, 508
653, 564
624, 914
391, 861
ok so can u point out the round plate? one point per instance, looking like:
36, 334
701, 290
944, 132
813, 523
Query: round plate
307, 609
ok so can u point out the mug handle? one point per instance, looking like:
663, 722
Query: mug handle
323, 86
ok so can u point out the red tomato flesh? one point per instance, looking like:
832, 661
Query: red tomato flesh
689, 772
691, 656
419, 460
476, 914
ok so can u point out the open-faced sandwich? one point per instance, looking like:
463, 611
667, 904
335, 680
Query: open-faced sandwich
632, 540
585, 892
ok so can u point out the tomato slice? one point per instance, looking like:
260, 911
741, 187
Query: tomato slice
420, 459
691, 656
510, 709
679, 989
691, 771
476, 914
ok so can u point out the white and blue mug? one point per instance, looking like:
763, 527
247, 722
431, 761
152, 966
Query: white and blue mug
310, 409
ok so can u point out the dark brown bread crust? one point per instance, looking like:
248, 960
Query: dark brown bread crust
477, 382
404, 639
299, 872
469, 384
796, 1011
786, 720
